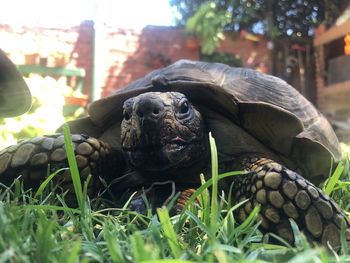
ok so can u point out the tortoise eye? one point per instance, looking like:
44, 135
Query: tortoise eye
184, 107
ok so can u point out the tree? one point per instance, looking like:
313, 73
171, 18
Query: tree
283, 18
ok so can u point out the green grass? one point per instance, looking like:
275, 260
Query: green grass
40, 227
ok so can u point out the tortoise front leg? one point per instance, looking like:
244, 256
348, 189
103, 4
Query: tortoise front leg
31, 159
284, 194
160, 194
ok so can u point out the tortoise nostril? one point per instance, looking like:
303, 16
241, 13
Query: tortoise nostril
126, 115
149, 108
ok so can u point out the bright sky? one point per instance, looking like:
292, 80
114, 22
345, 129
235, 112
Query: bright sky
119, 13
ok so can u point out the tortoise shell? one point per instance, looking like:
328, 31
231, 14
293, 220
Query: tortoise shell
264, 107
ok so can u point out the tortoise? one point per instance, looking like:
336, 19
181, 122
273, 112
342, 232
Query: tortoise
15, 97
153, 135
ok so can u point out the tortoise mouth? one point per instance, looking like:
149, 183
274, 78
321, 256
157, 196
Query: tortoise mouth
160, 157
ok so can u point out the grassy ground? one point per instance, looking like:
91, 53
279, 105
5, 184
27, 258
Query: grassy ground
39, 227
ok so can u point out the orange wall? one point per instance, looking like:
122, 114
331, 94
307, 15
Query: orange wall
126, 54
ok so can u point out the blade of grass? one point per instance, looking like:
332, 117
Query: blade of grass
7, 255
305, 257
250, 220
204, 201
86, 184
17, 192
73, 167
299, 239
51, 207
138, 246
207, 184
333, 180
44, 237
214, 213
214, 194
167, 261
199, 223
113, 246
169, 232
74, 254
47, 181
343, 241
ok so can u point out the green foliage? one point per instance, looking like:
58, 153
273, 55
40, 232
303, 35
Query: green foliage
337, 185
209, 23
42, 228
253, 16
185, 9
210, 18
225, 58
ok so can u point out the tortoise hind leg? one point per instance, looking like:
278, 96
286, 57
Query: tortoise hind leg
284, 194
31, 159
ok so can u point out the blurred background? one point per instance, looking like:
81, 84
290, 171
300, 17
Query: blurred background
75, 52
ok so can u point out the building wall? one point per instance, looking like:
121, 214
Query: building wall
125, 54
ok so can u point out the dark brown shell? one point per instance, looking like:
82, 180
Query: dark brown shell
15, 98
264, 106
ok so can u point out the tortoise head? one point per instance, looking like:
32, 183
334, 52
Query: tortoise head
162, 132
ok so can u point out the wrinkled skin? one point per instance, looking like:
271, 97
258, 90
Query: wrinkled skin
162, 132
